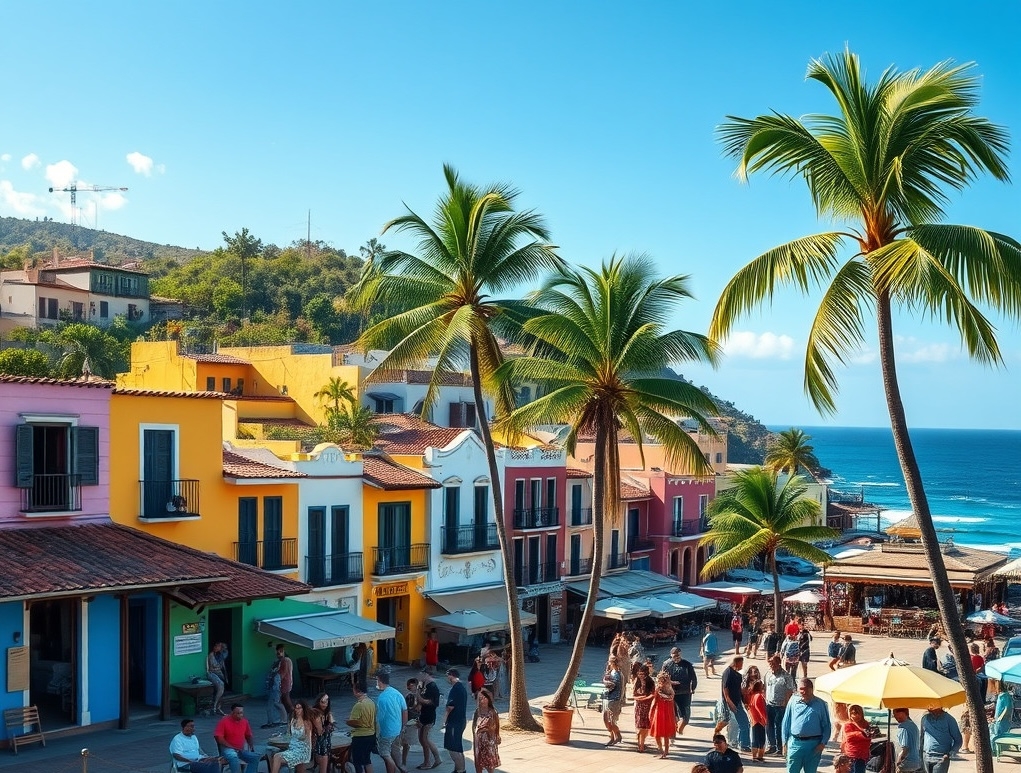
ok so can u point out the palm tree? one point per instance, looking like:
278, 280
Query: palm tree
880, 165
86, 350
477, 245
790, 452
353, 426
332, 393
756, 517
598, 352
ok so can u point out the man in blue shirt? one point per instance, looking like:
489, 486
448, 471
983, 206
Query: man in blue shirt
940, 739
805, 730
908, 757
456, 719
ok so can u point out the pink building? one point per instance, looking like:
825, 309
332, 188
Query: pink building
676, 523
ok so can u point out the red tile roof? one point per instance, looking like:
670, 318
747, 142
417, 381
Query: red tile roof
88, 383
238, 466
221, 359
574, 472
386, 474
108, 557
634, 489
407, 433
446, 378
134, 392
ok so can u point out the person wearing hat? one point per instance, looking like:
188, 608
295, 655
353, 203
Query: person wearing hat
456, 719
940, 739
847, 654
908, 758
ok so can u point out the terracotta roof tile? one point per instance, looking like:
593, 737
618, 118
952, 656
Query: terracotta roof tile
238, 466
134, 392
88, 383
447, 378
386, 474
221, 359
634, 489
406, 433
107, 557
575, 472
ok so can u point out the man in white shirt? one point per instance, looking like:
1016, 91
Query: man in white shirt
187, 754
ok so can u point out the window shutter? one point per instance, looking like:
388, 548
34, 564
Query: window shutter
454, 417
25, 467
85, 441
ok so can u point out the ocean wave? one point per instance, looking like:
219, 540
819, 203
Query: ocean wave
966, 498
998, 548
957, 519
876, 484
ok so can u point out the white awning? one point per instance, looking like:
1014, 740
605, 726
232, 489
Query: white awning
632, 583
475, 611
621, 609
674, 604
326, 630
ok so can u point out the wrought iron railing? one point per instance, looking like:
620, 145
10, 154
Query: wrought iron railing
334, 569
617, 560
52, 494
636, 544
577, 567
398, 559
169, 498
469, 538
581, 516
536, 517
536, 574
268, 554
686, 528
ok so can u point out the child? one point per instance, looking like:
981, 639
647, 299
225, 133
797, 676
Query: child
833, 651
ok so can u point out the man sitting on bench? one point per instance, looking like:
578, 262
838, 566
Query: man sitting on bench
187, 754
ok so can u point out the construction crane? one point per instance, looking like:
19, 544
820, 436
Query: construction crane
73, 190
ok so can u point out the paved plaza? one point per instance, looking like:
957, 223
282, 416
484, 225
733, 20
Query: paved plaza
143, 747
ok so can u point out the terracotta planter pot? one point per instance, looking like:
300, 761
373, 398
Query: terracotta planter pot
556, 724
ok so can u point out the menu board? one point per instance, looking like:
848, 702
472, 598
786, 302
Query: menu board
17, 669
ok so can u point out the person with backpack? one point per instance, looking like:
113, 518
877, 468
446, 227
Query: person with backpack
708, 650
790, 651
737, 631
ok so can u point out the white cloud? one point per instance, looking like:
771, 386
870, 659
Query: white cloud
911, 350
61, 174
18, 203
30, 161
142, 164
5, 157
759, 346
112, 201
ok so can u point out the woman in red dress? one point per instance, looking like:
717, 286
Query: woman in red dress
644, 692
857, 739
664, 720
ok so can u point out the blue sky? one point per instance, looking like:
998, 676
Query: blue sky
225, 115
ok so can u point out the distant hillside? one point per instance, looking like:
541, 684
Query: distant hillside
41, 236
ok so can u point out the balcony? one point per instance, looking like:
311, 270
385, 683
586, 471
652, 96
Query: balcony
169, 498
536, 518
617, 561
335, 569
536, 574
579, 567
271, 555
469, 539
581, 516
686, 528
639, 544
400, 559
52, 494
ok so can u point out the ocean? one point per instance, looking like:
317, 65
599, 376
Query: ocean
972, 478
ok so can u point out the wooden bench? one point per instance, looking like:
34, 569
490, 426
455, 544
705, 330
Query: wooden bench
16, 720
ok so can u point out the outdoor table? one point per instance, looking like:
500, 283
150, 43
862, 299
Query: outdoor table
594, 690
323, 677
192, 692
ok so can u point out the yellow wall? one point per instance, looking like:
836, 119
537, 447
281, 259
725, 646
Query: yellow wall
156, 365
218, 371
412, 614
200, 457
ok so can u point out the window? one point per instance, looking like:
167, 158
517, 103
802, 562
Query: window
42, 307
536, 493
239, 387
384, 404
54, 460
161, 491
104, 309
703, 503
678, 509
469, 415
226, 385
210, 383
462, 415
272, 532
719, 457
551, 493
248, 531
315, 570
394, 549
77, 311
519, 494
481, 504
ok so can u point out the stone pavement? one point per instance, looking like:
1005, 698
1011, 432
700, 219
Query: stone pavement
143, 747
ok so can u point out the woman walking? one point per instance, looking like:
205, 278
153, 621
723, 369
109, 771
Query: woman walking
644, 691
1002, 712
486, 729
300, 750
757, 712
323, 725
857, 739
663, 719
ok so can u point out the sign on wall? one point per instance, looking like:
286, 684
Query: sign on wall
17, 669
188, 644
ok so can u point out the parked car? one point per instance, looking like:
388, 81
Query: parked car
798, 567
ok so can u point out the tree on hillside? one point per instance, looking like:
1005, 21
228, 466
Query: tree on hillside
245, 247
790, 452
24, 362
599, 337
86, 349
881, 165
756, 518
477, 245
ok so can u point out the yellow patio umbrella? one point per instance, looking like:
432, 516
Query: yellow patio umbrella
890, 683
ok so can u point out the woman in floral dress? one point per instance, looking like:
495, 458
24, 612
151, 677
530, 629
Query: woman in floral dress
300, 750
487, 734
644, 692
664, 720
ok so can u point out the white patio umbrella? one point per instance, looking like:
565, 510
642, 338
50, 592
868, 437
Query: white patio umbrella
805, 597
989, 616
1008, 669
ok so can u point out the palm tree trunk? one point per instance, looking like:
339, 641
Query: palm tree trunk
602, 478
519, 715
945, 597
777, 601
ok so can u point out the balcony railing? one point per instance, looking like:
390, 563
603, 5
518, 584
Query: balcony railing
536, 517
535, 574
334, 569
52, 494
617, 561
638, 544
169, 498
686, 528
268, 554
469, 539
399, 559
577, 567
581, 516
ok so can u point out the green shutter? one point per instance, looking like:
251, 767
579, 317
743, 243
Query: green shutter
25, 467
85, 441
